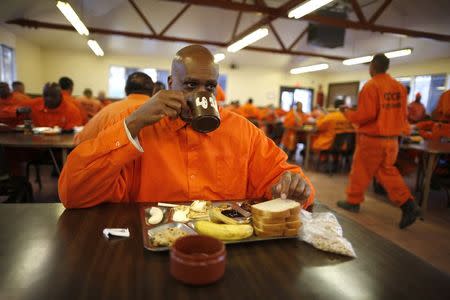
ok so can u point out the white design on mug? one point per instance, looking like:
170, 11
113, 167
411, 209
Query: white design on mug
203, 103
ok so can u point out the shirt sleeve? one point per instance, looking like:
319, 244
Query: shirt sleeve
134, 141
367, 106
267, 163
98, 170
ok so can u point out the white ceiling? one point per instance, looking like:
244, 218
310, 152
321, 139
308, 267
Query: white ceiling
217, 25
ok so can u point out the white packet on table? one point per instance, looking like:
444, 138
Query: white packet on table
323, 231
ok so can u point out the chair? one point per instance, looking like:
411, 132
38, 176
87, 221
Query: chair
340, 152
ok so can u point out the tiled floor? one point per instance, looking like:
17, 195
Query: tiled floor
428, 239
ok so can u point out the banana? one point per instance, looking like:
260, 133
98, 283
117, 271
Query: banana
216, 216
225, 232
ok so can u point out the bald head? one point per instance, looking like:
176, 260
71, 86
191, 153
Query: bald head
139, 83
193, 70
52, 95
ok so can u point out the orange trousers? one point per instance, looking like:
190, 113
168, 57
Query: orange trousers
376, 157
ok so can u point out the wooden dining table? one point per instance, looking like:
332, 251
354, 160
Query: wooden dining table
48, 252
431, 151
39, 141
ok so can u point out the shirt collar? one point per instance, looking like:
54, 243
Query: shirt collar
140, 97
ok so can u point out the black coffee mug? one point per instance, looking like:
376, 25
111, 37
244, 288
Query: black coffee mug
204, 111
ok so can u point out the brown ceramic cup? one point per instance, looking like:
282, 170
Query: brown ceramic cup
197, 259
204, 111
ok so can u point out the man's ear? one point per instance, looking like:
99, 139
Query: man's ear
169, 82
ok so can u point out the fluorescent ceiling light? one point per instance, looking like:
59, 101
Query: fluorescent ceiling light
358, 60
219, 57
307, 8
398, 53
95, 47
72, 17
368, 58
440, 88
307, 69
248, 39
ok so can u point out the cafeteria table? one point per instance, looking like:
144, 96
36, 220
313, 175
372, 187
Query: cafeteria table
48, 252
32, 141
431, 151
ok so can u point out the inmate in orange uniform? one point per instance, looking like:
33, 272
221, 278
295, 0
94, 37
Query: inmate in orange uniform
294, 118
249, 111
68, 98
178, 164
110, 115
173, 161
432, 130
442, 111
9, 105
381, 119
416, 111
20, 96
90, 105
66, 115
328, 126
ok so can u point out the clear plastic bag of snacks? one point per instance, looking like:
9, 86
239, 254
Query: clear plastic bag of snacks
323, 231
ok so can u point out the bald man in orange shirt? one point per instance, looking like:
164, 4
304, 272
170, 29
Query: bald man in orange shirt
153, 155
381, 118
138, 88
52, 110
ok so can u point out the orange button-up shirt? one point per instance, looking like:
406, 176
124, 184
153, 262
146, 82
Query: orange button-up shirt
431, 130
328, 126
249, 111
382, 108
20, 96
110, 115
69, 98
442, 111
8, 109
236, 161
90, 105
66, 115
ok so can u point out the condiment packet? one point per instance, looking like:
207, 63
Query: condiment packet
121, 232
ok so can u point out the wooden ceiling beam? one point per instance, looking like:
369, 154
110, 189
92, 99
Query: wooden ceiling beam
143, 17
277, 36
46, 25
358, 11
182, 11
321, 19
298, 38
379, 11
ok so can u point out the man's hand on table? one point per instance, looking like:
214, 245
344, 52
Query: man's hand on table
291, 186
164, 103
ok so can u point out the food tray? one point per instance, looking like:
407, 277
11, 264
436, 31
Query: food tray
188, 227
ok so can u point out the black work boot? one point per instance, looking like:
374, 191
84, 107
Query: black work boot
347, 206
410, 212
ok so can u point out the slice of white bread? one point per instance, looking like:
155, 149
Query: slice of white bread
266, 220
277, 208
275, 233
279, 226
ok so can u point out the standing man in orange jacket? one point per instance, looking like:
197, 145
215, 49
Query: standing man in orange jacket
381, 118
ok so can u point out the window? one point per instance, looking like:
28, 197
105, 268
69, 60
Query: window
407, 81
430, 87
289, 96
7, 64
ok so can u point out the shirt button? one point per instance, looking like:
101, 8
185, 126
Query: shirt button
192, 176
117, 144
